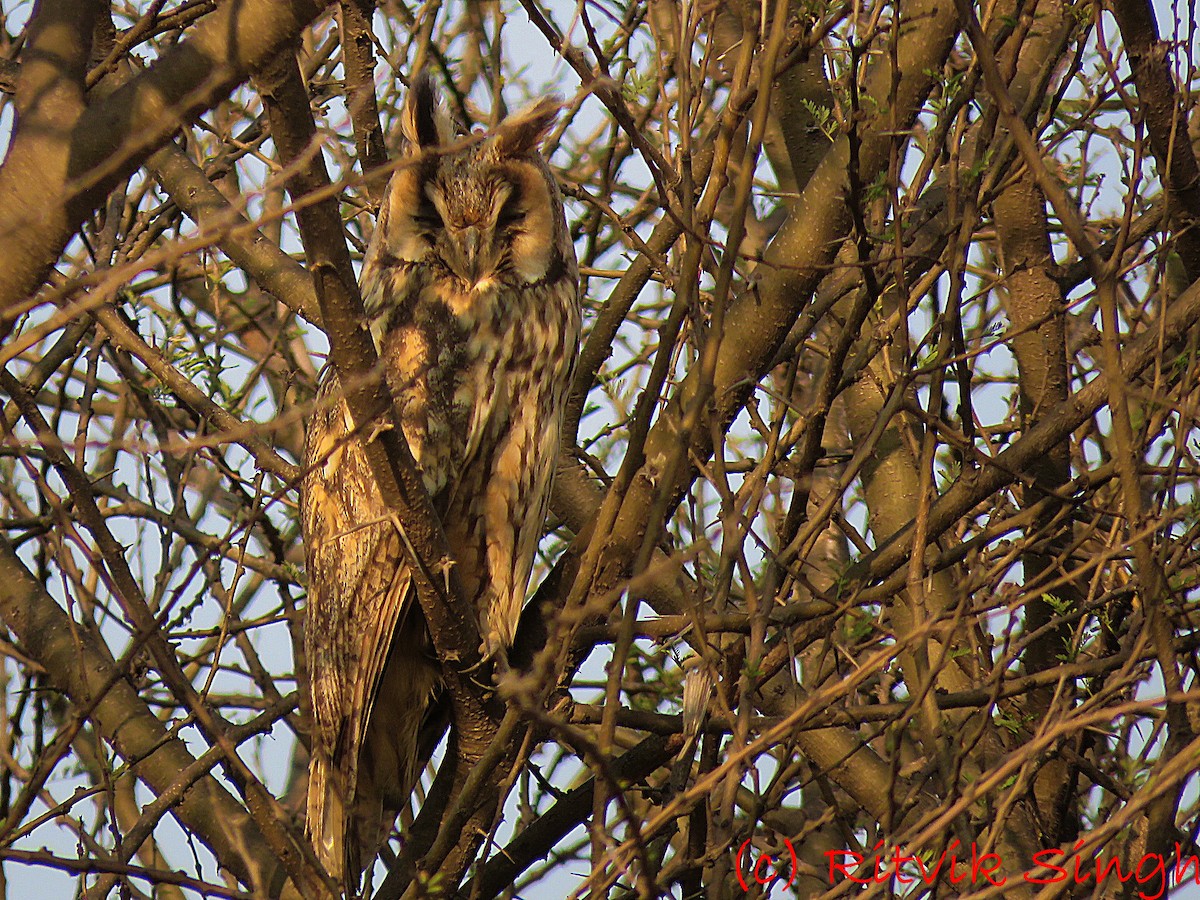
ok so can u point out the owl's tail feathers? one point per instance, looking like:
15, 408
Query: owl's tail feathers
326, 823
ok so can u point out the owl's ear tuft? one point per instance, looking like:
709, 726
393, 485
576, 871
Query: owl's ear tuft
522, 132
424, 123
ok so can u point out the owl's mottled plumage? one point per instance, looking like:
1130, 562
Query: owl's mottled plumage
472, 291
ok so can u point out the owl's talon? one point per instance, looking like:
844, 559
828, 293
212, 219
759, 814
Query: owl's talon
483, 684
493, 645
492, 650
377, 429
502, 668
444, 565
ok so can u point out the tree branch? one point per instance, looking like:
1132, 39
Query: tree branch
276, 272
49, 102
80, 666
1167, 123
55, 177
1182, 318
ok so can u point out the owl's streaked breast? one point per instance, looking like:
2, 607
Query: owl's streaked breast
451, 357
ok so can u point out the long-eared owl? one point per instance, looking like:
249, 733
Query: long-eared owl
471, 289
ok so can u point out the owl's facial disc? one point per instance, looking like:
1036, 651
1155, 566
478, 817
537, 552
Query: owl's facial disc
475, 237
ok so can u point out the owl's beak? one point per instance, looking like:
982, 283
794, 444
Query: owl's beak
471, 260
